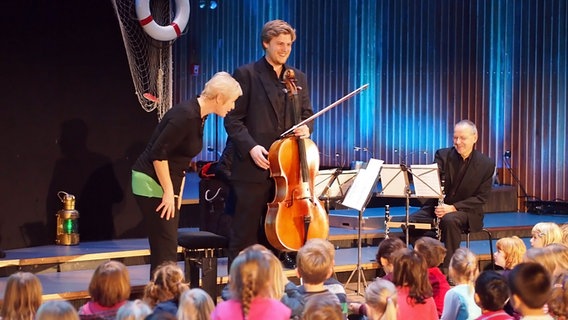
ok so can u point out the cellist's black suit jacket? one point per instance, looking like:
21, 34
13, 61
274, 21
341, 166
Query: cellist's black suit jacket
260, 116
472, 193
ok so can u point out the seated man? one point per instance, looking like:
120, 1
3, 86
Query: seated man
467, 175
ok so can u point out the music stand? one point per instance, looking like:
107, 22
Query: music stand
333, 184
395, 182
357, 198
427, 184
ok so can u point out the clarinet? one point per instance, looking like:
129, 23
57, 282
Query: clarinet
440, 203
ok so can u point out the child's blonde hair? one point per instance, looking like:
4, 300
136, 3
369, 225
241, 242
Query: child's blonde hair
22, 296
381, 298
314, 261
57, 310
167, 283
195, 304
513, 248
322, 308
463, 266
564, 229
249, 277
110, 284
278, 279
133, 310
549, 232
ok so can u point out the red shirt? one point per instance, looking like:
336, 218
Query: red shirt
439, 287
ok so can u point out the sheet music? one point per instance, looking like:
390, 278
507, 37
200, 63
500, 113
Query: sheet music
393, 181
426, 180
366, 179
339, 187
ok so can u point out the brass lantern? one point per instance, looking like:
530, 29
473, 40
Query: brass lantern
67, 221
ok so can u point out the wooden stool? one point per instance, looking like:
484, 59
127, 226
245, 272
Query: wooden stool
201, 250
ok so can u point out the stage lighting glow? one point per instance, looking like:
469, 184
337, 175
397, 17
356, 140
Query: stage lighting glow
213, 4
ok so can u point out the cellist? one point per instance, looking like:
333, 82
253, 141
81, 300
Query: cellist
261, 114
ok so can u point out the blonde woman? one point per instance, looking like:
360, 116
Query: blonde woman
195, 304
381, 300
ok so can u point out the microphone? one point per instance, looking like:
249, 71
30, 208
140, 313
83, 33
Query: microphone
403, 159
365, 149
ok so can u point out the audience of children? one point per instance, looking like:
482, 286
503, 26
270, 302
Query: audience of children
535, 288
491, 295
109, 290
381, 300
545, 233
133, 310
459, 302
414, 292
57, 310
162, 293
510, 252
434, 252
22, 296
195, 304
530, 286
250, 293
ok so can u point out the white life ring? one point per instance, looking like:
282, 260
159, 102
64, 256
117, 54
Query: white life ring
156, 31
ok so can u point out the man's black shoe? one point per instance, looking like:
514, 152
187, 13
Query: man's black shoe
287, 261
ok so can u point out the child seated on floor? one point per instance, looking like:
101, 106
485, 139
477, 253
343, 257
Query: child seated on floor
510, 252
381, 300
491, 295
434, 253
22, 296
414, 292
322, 308
554, 258
459, 302
195, 304
133, 310
545, 233
530, 285
162, 293
384, 257
109, 290
57, 310
249, 284
314, 266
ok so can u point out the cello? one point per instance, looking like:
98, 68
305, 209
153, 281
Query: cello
296, 214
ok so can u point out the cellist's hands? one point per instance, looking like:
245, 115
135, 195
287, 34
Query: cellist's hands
302, 131
258, 154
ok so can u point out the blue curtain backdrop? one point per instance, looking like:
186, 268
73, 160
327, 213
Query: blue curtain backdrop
428, 63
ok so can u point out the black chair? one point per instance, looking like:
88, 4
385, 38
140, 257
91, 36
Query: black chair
201, 250
468, 234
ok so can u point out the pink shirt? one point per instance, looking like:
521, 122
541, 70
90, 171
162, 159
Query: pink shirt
260, 309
